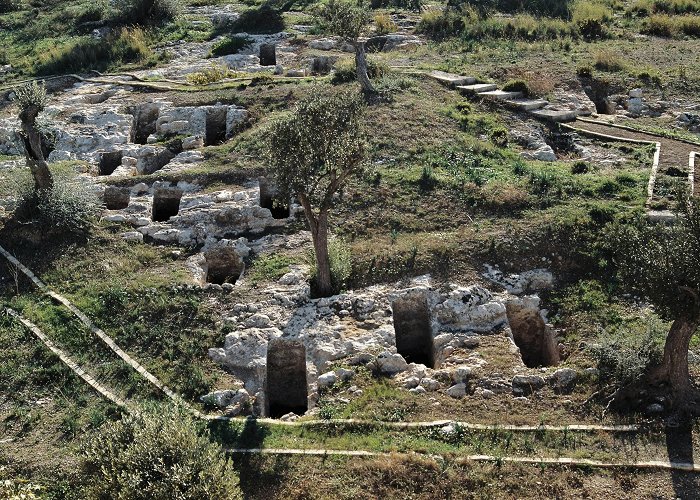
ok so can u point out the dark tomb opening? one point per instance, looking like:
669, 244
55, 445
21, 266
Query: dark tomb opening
536, 341
413, 329
215, 126
166, 204
269, 200
110, 161
223, 266
145, 118
116, 198
286, 387
268, 54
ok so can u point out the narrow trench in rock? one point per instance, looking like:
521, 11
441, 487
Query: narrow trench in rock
166, 204
215, 127
536, 341
286, 386
116, 198
413, 330
269, 200
110, 161
223, 266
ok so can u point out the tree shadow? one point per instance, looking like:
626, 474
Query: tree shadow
679, 446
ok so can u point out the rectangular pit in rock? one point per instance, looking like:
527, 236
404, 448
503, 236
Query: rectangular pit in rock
110, 161
413, 330
215, 126
116, 198
145, 118
223, 266
166, 204
269, 199
536, 341
286, 387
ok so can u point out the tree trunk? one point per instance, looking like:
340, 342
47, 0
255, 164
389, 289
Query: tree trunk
673, 370
319, 235
361, 64
31, 141
324, 283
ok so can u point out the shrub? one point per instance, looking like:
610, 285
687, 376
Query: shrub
668, 26
608, 60
9, 6
213, 74
140, 12
345, 72
384, 25
230, 45
624, 356
264, 19
416, 5
156, 454
341, 264
438, 25
584, 71
124, 45
517, 86
70, 206
580, 167
499, 137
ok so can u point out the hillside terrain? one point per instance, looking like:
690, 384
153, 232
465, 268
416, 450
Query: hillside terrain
513, 259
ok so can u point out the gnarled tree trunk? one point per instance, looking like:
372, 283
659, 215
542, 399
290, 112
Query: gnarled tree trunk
31, 142
673, 370
319, 234
361, 65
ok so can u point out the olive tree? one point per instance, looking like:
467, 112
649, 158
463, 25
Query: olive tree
155, 454
662, 264
31, 99
348, 21
312, 153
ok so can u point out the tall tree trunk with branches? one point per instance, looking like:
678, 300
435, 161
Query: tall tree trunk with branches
30, 139
318, 223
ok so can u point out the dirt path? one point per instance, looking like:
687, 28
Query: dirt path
675, 155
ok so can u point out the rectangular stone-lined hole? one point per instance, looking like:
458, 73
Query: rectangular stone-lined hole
166, 204
110, 161
268, 199
116, 198
144, 124
286, 388
413, 330
223, 266
215, 126
536, 341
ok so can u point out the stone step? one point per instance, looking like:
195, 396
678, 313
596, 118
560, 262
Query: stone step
527, 104
500, 95
555, 115
477, 88
452, 80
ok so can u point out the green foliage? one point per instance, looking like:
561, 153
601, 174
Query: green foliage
123, 45
9, 5
139, 12
345, 71
415, 5
214, 73
14, 488
383, 24
343, 18
264, 19
341, 264
439, 25
230, 45
31, 95
269, 267
314, 149
70, 206
625, 354
673, 26
655, 261
156, 454
580, 167
517, 86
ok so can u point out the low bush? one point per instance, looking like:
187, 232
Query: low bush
384, 25
648, 7
264, 19
673, 26
345, 71
608, 60
139, 12
70, 206
416, 5
122, 46
517, 86
215, 73
580, 167
439, 25
156, 454
230, 45
9, 6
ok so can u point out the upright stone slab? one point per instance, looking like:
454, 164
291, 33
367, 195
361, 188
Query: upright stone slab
268, 55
